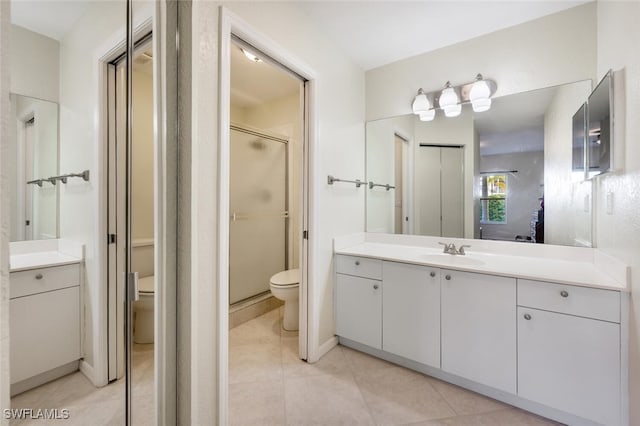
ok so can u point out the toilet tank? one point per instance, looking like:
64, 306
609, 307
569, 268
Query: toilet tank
142, 257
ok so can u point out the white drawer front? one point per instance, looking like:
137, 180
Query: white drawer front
359, 266
568, 299
34, 281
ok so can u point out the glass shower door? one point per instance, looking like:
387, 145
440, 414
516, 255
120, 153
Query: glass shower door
258, 206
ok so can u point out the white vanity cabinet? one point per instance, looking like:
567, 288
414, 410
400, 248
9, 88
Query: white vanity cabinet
569, 349
358, 300
411, 312
44, 320
478, 328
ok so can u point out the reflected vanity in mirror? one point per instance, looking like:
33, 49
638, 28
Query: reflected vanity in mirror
503, 174
34, 160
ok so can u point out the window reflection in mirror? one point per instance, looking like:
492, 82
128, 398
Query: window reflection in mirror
33, 161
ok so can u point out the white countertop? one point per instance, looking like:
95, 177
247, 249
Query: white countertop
583, 268
41, 259
35, 254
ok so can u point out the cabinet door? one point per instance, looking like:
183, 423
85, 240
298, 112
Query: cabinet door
411, 312
479, 328
570, 363
359, 309
45, 332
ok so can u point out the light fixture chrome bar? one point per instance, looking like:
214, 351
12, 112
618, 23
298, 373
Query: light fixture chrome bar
331, 180
462, 90
386, 186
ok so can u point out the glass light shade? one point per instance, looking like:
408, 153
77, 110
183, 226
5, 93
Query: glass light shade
453, 110
479, 90
428, 115
481, 105
448, 98
251, 56
421, 103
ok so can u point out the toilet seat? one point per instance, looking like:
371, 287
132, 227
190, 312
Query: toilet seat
288, 278
145, 285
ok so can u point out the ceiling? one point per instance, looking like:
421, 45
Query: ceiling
52, 18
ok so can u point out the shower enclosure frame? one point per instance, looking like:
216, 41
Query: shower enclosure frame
287, 212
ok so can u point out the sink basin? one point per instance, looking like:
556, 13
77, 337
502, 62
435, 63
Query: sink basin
451, 259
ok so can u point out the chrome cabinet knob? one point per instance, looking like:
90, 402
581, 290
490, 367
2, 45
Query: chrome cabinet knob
447, 277
433, 274
527, 317
375, 286
564, 293
357, 263
39, 277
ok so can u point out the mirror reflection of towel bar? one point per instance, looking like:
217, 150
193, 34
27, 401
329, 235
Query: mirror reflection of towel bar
54, 179
386, 185
331, 180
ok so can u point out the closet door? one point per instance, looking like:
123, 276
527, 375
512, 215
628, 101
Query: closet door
427, 183
452, 192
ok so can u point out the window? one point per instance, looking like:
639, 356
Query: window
494, 199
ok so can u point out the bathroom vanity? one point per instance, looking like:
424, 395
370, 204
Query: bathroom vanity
45, 311
543, 328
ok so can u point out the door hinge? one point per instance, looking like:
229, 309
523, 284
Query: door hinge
111, 238
305, 235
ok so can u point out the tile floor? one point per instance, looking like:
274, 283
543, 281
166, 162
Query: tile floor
269, 385
89, 405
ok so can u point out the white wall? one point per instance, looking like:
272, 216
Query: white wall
563, 191
34, 64
619, 233
523, 190
552, 50
338, 209
142, 185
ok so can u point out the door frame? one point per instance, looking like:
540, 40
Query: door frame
233, 25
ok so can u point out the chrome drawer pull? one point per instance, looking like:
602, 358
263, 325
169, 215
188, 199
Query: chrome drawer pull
39, 277
433, 274
527, 317
357, 263
447, 277
564, 293
375, 286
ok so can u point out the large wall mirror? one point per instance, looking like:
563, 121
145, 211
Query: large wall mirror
503, 174
33, 154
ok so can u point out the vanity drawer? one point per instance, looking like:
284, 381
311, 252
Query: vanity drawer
34, 281
568, 299
359, 266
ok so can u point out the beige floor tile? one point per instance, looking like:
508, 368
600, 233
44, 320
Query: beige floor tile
397, 396
325, 400
464, 401
506, 417
257, 403
362, 363
255, 363
264, 329
334, 362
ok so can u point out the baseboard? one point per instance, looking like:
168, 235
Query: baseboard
324, 348
42, 378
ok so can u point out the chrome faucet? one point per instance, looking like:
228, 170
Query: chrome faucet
451, 248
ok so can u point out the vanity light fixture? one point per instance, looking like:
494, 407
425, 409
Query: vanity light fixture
250, 56
450, 100
480, 95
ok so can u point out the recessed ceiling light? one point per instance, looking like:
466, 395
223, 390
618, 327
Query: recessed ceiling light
251, 56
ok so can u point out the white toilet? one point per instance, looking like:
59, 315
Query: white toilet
284, 286
142, 262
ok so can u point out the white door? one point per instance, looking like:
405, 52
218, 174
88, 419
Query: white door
570, 363
428, 191
411, 312
478, 328
452, 192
